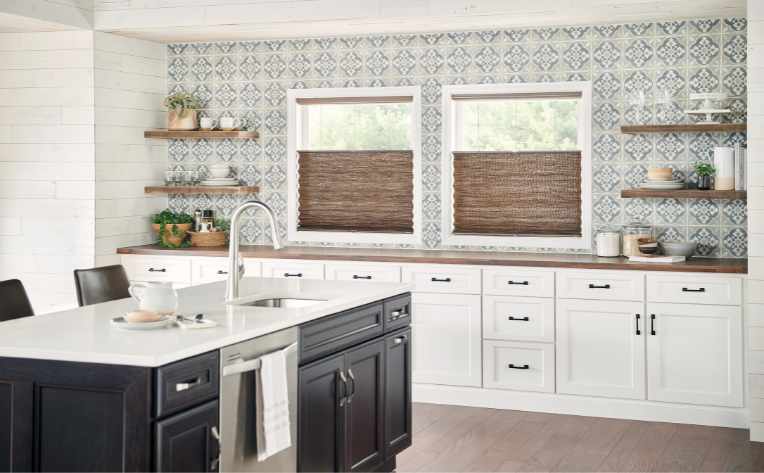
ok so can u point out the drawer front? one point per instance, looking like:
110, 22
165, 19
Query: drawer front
293, 269
159, 268
363, 272
186, 383
518, 318
397, 312
601, 285
445, 278
518, 282
521, 366
331, 334
206, 270
692, 289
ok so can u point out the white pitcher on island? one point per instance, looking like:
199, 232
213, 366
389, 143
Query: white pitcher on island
159, 297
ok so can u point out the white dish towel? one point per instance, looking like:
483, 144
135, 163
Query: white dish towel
272, 397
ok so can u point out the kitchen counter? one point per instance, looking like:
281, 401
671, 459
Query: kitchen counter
482, 258
87, 335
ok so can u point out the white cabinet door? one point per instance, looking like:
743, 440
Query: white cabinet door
695, 355
446, 339
601, 348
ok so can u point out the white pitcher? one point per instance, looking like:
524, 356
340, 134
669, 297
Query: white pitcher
157, 297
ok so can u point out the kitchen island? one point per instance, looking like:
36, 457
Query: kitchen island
78, 394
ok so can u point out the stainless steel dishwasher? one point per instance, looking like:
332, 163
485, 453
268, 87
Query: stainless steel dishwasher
238, 432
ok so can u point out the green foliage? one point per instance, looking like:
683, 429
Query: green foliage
222, 224
181, 102
704, 169
360, 127
168, 216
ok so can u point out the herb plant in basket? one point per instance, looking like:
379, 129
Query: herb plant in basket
172, 228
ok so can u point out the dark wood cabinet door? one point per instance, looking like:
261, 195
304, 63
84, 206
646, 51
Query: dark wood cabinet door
322, 415
187, 442
365, 406
398, 392
16, 429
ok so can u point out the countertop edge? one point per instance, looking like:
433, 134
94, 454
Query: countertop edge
695, 265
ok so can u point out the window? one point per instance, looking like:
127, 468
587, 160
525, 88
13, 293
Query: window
354, 165
516, 165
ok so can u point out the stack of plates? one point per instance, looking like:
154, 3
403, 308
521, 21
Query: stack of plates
223, 181
663, 185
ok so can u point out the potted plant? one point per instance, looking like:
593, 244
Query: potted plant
172, 228
183, 111
704, 171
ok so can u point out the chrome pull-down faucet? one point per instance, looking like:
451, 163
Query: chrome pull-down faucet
235, 266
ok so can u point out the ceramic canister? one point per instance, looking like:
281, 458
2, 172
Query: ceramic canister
724, 162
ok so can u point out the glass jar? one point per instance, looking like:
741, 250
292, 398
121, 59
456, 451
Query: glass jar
608, 243
632, 233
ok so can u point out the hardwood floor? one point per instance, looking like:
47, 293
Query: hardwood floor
453, 438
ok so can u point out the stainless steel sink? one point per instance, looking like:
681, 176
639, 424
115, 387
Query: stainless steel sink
283, 303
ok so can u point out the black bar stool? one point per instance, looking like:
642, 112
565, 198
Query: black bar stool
103, 284
14, 302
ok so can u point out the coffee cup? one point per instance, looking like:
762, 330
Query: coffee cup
229, 123
220, 171
207, 123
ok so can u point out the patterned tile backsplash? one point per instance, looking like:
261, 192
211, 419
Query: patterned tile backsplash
665, 60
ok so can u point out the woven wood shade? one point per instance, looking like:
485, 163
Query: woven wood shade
360, 191
518, 193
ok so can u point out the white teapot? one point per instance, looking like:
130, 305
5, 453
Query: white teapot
157, 297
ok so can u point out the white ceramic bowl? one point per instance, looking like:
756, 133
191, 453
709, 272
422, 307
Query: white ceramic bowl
678, 248
219, 171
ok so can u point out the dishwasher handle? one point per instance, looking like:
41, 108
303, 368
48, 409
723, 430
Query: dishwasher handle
251, 365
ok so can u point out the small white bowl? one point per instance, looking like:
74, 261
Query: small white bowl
678, 248
220, 171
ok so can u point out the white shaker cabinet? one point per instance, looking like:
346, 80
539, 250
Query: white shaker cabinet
601, 348
447, 347
695, 354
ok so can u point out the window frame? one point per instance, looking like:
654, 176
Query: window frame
452, 127
297, 134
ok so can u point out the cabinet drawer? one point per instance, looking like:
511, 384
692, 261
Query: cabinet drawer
331, 334
692, 289
159, 268
397, 312
518, 318
521, 366
205, 270
186, 383
601, 285
363, 272
293, 269
454, 279
518, 282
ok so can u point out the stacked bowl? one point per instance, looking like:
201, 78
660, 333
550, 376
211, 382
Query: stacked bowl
661, 179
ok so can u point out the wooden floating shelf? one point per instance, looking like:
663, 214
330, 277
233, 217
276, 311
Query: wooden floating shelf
683, 194
201, 134
238, 190
687, 128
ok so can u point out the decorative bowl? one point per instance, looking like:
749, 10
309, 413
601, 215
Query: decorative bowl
678, 248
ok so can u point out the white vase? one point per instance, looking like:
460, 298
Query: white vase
724, 162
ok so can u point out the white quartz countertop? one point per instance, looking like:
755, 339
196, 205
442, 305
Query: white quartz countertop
87, 335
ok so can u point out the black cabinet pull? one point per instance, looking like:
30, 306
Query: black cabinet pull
440, 280
686, 289
518, 367
342, 388
355, 276
221, 272
652, 324
352, 378
292, 275
637, 322
397, 314
597, 286
518, 283
155, 270
519, 319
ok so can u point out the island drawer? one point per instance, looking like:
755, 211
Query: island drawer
336, 332
397, 312
186, 383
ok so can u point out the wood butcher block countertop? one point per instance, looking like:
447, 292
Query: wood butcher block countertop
482, 258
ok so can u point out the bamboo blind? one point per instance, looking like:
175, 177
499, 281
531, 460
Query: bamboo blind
518, 193
361, 191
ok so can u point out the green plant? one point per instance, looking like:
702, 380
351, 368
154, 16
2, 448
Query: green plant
222, 224
704, 169
168, 217
181, 102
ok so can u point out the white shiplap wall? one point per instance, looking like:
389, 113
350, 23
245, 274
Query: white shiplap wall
755, 284
129, 88
47, 172
73, 14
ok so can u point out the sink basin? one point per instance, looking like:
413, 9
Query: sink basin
283, 303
